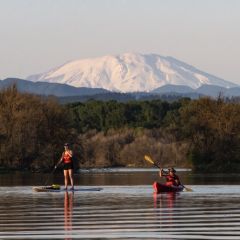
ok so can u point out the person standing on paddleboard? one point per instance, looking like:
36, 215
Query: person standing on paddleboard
67, 159
171, 178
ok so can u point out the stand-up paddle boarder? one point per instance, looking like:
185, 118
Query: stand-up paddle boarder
67, 159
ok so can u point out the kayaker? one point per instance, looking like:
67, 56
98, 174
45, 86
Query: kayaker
171, 178
67, 159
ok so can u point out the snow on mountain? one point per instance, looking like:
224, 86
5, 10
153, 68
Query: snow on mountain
129, 72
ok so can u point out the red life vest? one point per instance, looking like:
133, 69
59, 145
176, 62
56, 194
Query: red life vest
66, 158
171, 180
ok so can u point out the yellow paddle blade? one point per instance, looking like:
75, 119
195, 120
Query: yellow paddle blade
55, 186
147, 158
188, 189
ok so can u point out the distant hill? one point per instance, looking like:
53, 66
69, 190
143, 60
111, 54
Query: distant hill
129, 72
169, 88
125, 97
44, 88
67, 93
120, 97
234, 92
204, 90
211, 90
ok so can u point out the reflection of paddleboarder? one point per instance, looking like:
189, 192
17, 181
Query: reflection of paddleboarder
68, 210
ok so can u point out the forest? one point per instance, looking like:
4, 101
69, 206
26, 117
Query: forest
202, 134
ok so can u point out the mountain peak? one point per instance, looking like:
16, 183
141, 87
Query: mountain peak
129, 72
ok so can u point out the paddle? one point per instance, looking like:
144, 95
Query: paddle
55, 167
149, 159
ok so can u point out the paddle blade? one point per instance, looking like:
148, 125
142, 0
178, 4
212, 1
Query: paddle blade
148, 159
56, 186
188, 189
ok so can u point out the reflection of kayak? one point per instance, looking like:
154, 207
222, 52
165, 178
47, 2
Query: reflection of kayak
50, 189
159, 187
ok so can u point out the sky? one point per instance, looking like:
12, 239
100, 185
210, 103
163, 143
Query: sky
36, 36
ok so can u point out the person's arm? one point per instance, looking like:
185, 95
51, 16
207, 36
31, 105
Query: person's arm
70, 153
162, 173
177, 181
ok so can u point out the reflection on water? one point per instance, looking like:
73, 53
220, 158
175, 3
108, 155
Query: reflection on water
68, 211
121, 212
164, 200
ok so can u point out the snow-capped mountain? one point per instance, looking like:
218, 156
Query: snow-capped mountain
129, 72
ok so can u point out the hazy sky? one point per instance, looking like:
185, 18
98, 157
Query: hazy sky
36, 36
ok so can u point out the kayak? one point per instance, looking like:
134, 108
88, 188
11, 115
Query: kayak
159, 188
51, 189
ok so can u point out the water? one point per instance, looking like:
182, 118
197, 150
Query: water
126, 208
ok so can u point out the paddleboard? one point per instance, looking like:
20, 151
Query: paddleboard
48, 189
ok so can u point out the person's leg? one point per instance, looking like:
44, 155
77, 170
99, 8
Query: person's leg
66, 178
169, 184
70, 172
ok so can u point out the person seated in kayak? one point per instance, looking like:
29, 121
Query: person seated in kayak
171, 178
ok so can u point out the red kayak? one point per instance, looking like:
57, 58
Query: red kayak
159, 188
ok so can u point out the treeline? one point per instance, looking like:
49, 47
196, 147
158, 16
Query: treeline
103, 116
212, 128
32, 130
203, 134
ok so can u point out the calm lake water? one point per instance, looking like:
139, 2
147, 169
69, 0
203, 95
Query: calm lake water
126, 208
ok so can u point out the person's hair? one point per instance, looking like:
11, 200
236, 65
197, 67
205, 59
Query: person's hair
172, 170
